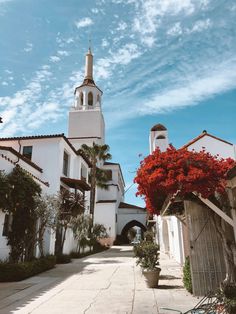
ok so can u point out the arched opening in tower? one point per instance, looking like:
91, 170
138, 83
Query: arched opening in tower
90, 99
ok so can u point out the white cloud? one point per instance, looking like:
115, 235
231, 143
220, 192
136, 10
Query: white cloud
149, 14
200, 25
104, 43
123, 56
121, 26
95, 10
4, 83
63, 53
87, 21
192, 91
175, 30
23, 104
55, 59
29, 47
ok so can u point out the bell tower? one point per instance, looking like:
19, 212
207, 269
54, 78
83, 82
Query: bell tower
158, 138
86, 122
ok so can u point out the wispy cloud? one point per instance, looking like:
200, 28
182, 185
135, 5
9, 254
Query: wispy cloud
123, 56
55, 59
18, 109
189, 92
86, 21
63, 53
28, 47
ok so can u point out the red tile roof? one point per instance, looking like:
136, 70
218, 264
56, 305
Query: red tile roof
30, 137
20, 156
131, 206
201, 136
159, 127
35, 137
89, 82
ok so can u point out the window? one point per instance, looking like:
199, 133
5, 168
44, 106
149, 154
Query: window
160, 137
65, 164
27, 151
90, 99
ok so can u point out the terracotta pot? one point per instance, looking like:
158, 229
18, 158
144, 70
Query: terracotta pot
152, 277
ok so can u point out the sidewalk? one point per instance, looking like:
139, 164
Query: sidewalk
107, 283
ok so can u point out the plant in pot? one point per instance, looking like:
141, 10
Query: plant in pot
147, 254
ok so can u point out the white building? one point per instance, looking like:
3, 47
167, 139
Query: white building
56, 161
171, 233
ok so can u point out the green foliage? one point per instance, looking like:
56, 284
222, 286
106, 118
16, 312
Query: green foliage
46, 207
63, 259
98, 177
187, 279
99, 231
4, 190
19, 202
20, 271
147, 254
149, 236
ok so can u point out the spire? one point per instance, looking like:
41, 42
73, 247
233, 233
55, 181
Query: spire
89, 65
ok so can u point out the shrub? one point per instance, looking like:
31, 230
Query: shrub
147, 254
20, 271
187, 279
63, 259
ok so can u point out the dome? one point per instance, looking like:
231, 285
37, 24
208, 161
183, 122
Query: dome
158, 127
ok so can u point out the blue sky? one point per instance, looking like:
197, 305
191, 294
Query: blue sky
157, 61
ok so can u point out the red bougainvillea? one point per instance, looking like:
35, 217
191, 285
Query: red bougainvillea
164, 173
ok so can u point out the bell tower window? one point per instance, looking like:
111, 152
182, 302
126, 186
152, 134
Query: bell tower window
81, 96
90, 99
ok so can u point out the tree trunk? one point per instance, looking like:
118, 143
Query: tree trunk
93, 190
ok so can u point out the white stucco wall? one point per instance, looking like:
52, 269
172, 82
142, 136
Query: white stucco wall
105, 213
214, 147
80, 127
125, 215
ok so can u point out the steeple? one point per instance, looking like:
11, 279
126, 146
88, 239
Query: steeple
85, 117
89, 66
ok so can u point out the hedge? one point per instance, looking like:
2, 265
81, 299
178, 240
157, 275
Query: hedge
20, 271
187, 280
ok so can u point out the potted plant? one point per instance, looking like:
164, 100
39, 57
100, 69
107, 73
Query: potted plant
147, 254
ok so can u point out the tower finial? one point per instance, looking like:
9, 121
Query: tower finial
89, 63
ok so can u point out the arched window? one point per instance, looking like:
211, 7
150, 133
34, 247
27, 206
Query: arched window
98, 99
81, 96
90, 99
160, 137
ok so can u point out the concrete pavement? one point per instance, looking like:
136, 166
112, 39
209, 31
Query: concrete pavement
107, 283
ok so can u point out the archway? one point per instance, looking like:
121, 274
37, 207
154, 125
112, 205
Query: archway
124, 233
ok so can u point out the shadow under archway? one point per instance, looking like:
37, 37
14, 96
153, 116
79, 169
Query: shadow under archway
123, 237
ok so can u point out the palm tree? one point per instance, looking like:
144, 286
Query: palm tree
97, 154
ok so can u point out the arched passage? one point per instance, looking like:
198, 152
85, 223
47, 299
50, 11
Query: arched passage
131, 224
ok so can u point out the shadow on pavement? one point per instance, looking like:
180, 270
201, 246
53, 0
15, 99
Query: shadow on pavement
15, 296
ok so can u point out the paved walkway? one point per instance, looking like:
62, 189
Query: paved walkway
107, 283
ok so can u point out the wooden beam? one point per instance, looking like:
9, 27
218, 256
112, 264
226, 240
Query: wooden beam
169, 202
216, 209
